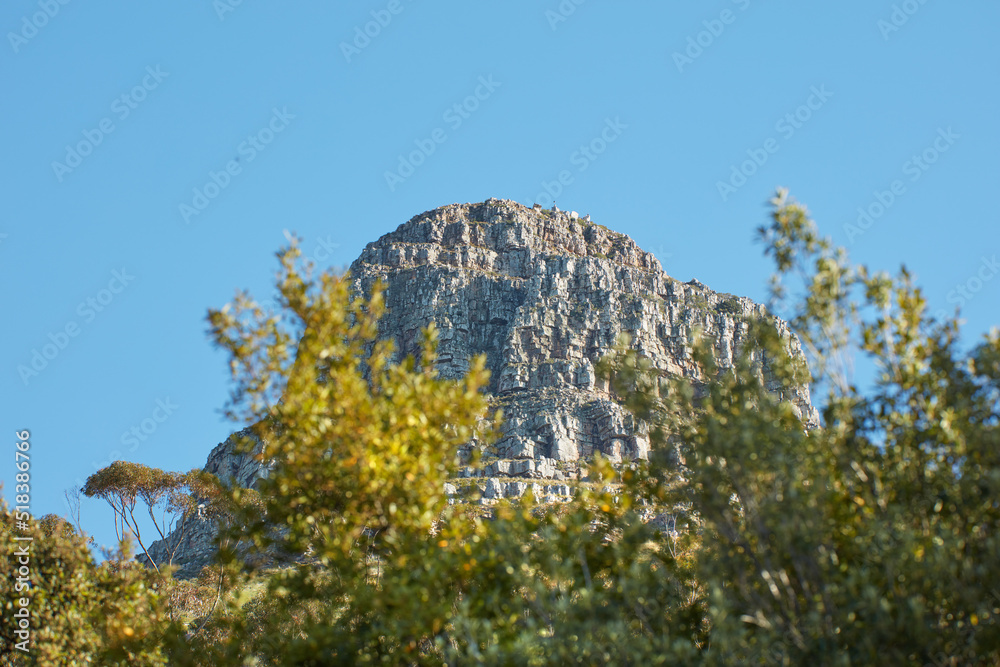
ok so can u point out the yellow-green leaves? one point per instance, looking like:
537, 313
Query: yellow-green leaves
82, 613
864, 541
869, 540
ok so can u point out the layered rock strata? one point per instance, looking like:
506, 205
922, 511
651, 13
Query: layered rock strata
544, 295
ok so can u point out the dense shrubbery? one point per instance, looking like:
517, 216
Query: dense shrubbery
871, 540
81, 613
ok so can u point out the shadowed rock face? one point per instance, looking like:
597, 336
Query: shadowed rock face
544, 296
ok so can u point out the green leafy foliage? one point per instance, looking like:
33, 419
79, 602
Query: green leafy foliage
362, 444
81, 613
170, 506
869, 540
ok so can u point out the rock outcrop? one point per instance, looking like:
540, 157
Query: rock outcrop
544, 295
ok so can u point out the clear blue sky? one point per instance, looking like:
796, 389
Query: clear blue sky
140, 103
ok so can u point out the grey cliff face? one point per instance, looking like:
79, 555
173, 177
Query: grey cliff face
544, 295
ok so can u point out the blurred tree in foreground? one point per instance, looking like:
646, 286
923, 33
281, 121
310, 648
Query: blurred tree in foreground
362, 446
870, 540
81, 613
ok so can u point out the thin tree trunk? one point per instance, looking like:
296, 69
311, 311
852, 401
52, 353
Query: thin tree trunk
135, 531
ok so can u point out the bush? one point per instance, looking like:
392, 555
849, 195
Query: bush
870, 540
81, 612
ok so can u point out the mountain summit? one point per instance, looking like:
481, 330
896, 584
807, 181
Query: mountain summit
544, 295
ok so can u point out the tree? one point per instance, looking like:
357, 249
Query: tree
80, 612
73, 504
123, 484
868, 540
362, 445
871, 540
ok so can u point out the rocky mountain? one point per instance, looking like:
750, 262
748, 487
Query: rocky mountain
544, 294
